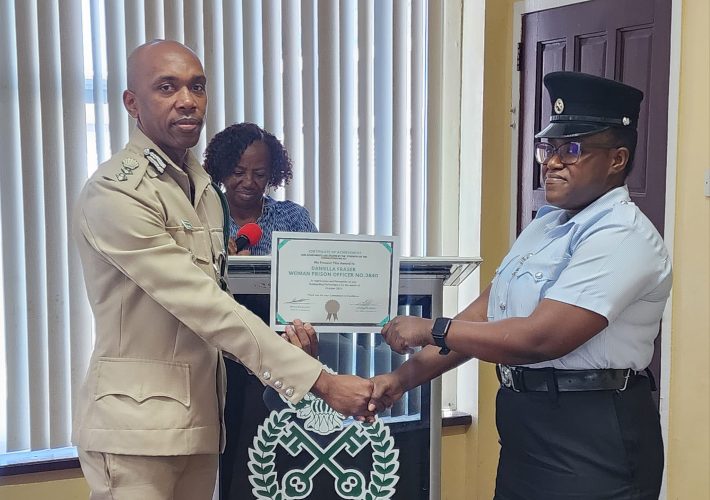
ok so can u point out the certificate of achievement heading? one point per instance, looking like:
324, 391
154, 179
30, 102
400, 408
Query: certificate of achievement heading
336, 282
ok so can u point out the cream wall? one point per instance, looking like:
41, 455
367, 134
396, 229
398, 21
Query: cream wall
688, 460
474, 450
495, 233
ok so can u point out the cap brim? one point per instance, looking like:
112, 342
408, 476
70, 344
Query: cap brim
567, 130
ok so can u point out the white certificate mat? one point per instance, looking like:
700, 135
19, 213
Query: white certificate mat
336, 282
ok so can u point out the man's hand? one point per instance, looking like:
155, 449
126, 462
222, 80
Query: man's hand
387, 391
404, 333
303, 336
347, 394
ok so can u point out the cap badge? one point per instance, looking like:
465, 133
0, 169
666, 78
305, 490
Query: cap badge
559, 106
626, 120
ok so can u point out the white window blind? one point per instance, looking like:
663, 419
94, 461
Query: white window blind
46, 329
346, 85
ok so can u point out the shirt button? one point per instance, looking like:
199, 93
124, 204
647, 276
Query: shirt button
502, 306
624, 202
266, 375
538, 276
278, 384
289, 392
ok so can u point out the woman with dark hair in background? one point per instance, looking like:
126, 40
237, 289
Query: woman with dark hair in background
247, 161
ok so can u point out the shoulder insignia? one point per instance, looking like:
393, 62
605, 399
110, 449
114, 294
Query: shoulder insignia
128, 165
155, 159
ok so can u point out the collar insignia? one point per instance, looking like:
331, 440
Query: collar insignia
155, 159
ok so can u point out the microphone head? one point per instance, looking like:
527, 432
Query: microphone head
251, 232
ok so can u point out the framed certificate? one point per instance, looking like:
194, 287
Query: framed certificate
336, 282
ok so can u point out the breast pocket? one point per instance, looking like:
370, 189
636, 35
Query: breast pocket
535, 277
195, 240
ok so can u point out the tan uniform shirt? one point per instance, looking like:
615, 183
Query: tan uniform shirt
155, 383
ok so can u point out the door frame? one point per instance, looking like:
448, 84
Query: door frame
523, 7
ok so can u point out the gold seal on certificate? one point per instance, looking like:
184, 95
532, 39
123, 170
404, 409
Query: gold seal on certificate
336, 282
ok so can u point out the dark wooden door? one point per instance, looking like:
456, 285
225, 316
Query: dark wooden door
627, 40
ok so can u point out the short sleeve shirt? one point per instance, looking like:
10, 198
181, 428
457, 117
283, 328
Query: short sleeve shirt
609, 259
277, 216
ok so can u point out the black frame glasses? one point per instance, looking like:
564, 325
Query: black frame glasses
568, 153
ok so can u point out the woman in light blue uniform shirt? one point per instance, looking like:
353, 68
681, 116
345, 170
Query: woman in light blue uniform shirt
570, 317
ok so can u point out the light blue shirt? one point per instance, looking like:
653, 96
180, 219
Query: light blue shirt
608, 258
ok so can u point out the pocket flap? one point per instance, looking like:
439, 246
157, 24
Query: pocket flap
141, 379
195, 240
541, 272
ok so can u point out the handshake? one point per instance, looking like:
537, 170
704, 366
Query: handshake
355, 396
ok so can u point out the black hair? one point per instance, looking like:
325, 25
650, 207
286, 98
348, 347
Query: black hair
227, 147
625, 137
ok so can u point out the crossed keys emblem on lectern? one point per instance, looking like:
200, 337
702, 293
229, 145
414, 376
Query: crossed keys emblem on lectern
282, 429
349, 483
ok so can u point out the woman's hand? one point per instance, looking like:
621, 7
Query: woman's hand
388, 389
303, 336
232, 248
404, 333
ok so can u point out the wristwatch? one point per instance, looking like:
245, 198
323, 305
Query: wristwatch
439, 332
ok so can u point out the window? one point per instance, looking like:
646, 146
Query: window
344, 84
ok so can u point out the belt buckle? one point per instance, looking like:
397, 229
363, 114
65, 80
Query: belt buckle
507, 377
626, 379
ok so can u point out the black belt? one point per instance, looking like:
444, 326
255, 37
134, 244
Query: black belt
522, 379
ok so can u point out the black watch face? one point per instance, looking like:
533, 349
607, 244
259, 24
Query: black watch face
440, 327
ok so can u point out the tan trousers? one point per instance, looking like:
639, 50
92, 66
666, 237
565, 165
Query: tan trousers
129, 477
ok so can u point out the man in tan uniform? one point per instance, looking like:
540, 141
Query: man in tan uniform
148, 224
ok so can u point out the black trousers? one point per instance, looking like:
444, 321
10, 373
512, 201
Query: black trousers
580, 445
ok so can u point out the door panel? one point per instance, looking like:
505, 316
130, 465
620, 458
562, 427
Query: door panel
627, 40
591, 54
635, 64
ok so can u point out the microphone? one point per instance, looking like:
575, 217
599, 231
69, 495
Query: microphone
248, 235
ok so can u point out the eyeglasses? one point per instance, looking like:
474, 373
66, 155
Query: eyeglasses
568, 153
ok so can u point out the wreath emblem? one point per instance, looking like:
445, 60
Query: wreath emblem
281, 429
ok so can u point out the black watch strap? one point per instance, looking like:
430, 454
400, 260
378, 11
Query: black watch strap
439, 333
